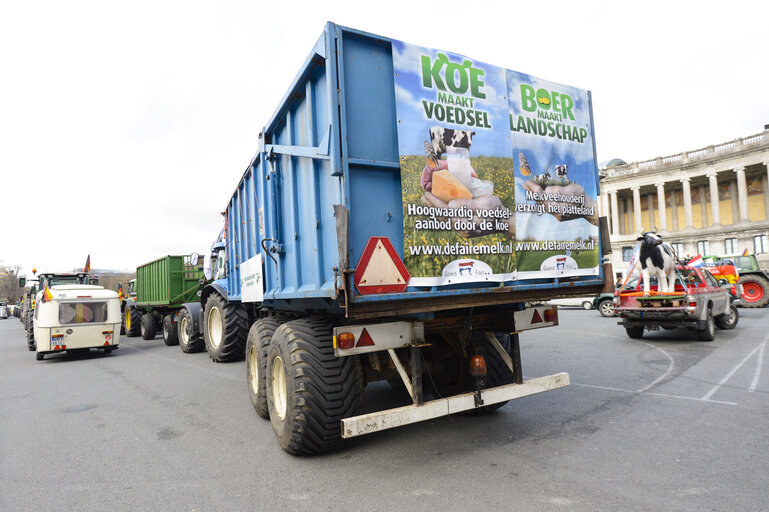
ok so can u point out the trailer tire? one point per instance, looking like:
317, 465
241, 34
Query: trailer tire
309, 389
189, 340
755, 291
225, 330
729, 320
133, 321
257, 351
31, 333
635, 332
148, 326
170, 336
709, 332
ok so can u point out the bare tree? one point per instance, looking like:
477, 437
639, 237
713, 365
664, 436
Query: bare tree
9, 285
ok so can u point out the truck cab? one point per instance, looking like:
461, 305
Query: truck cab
76, 318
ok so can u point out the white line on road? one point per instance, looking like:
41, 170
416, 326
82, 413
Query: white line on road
759, 364
734, 370
666, 395
664, 375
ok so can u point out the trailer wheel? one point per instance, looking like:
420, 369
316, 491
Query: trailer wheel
122, 323
309, 389
257, 350
635, 332
226, 328
148, 326
169, 331
709, 332
755, 291
189, 340
133, 322
31, 333
729, 320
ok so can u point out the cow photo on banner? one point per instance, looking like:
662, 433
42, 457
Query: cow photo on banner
456, 167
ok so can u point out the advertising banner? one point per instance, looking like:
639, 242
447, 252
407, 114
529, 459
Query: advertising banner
478, 204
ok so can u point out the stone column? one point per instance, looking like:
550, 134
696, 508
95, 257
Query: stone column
687, 204
742, 193
652, 222
674, 209
604, 208
614, 213
637, 210
703, 208
715, 209
622, 211
663, 210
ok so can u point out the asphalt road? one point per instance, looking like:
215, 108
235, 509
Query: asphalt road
662, 423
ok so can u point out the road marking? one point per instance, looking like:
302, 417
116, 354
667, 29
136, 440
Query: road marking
734, 370
759, 364
664, 375
666, 395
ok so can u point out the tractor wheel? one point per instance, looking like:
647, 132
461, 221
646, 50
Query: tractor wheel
755, 291
309, 389
133, 322
225, 330
728, 320
190, 340
148, 326
169, 331
257, 350
122, 323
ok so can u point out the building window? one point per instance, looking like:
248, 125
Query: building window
760, 244
678, 249
703, 247
730, 246
627, 253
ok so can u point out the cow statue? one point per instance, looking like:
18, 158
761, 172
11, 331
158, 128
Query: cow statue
442, 138
657, 259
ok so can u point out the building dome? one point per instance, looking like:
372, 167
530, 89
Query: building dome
614, 162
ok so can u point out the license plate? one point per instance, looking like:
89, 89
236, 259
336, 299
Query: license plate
654, 314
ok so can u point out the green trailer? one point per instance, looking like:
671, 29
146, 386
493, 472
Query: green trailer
162, 286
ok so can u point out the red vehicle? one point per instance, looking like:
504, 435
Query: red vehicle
698, 303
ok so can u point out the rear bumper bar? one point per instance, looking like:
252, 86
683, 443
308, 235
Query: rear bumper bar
391, 418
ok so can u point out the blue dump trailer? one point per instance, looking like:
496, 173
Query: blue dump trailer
403, 208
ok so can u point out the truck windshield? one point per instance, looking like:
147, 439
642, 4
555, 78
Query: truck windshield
82, 312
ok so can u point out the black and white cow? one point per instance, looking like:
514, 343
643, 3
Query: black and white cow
442, 138
560, 171
657, 259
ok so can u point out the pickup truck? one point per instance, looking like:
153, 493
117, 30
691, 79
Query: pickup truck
699, 303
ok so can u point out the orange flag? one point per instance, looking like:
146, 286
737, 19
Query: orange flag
87, 267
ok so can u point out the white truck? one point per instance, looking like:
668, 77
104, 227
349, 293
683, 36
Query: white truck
76, 318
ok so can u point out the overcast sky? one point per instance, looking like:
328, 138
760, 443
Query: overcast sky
125, 126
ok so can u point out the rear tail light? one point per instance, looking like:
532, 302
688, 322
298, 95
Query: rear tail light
346, 340
551, 315
477, 366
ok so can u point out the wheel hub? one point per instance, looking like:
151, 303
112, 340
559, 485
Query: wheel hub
279, 387
253, 370
215, 327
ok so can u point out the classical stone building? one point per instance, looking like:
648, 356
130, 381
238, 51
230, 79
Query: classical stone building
713, 200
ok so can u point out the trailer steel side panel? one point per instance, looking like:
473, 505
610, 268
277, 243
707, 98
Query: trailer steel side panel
326, 177
167, 281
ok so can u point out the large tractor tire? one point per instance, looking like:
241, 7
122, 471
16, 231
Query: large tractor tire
149, 326
190, 340
30, 332
755, 291
122, 323
133, 322
309, 389
257, 350
170, 336
225, 330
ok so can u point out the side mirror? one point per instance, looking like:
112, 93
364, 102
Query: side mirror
194, 259
722, 282
22, 282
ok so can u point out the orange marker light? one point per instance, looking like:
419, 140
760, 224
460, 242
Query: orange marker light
346, 340
551, 315
477, 366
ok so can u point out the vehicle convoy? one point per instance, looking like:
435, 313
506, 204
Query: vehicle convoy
39, 282
753, 279
698, 303
75, 318
365, 243
162, 286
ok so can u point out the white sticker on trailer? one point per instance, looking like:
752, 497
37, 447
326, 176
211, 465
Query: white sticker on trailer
251, 280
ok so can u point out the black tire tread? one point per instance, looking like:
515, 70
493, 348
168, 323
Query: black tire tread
260, 334
148, 326
136, 323
327, 388
168, 326
235, 320
196, 342
722, 321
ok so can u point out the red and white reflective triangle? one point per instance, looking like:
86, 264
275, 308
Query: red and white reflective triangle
380, 269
